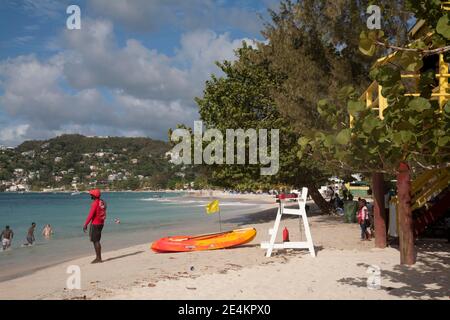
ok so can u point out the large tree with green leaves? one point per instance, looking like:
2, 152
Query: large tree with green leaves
414, 130
241, 99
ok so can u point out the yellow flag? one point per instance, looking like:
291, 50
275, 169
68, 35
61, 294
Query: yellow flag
212, 207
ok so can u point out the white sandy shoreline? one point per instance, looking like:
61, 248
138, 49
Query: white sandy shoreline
338, 272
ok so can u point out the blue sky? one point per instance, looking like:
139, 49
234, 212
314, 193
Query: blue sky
133, 69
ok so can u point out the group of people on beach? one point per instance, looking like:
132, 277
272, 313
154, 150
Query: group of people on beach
7, 235
363, 214
95, 221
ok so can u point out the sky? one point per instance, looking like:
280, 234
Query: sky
133, 69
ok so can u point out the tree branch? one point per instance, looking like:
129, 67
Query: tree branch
424, 52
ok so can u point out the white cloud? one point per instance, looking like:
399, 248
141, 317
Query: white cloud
97, 61
33, 92
93, 85
11, 134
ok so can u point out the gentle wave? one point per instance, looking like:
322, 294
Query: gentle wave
174, 201
200, 203
235, 204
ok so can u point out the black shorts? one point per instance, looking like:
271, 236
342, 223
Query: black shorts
95, 232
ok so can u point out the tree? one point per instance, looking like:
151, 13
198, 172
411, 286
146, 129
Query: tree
412, 132
242, 100
313, 45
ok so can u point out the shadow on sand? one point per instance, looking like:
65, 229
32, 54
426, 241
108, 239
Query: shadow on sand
124, 256
428, 278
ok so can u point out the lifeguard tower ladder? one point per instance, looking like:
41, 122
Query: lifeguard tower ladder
301, 212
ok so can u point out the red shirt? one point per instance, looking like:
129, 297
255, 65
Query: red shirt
363, 214
97, 215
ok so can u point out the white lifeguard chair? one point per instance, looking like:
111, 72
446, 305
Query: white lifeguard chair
301, 212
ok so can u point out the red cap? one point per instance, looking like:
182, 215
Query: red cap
95, 193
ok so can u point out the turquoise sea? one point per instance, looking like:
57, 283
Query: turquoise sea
144, 218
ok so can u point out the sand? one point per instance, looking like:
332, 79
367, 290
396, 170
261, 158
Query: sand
338, 272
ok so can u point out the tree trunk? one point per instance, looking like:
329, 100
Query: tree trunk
379, 210
406, 232
323, 205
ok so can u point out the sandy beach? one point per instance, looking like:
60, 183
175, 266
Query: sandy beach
338, 272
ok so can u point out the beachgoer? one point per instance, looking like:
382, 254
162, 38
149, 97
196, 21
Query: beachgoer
96, 219
344, 193
331, 194
339, 203
47, 231
6, 237
30, 235
363, 219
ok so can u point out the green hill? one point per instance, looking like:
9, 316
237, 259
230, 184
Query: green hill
115, 163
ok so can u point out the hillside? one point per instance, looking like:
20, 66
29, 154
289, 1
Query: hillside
75, 161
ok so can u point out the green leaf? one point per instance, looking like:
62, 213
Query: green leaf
374, 150
388, 76
419, 44
397, 138
438, 41
346, 92
406, 136
444, 141
373, 74
419, 104
366, 45
303, 142
370, 123
322, 103
375, 34
329, 141
447, 108
344, 137
354, 107
411, 61
320, 136
443, 27
341, 155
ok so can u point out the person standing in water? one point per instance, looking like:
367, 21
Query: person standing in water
6, 237
47, 231
96, 220
30, 235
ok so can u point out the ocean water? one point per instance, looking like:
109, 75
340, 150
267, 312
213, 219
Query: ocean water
144, 218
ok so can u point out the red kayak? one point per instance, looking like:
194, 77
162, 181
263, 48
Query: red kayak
214, 241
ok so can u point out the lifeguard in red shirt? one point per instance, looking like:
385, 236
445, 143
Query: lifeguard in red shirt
96, 220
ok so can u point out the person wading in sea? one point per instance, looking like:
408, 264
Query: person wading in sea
6, 237
30, 235
96, 220
47, 231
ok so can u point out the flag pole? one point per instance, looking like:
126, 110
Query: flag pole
220, 221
